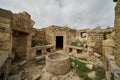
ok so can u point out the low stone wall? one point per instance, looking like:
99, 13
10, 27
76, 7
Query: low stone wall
44, 49
57, 63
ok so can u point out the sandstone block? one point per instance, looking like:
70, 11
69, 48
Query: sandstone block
4, 20
5, 46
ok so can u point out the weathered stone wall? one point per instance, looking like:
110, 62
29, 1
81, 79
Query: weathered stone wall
71, 36
5, 30
97, 37
117, 33
5, 42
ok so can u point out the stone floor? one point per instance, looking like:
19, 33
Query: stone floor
69, 76
36, 71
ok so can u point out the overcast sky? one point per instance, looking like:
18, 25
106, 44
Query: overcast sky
78, 14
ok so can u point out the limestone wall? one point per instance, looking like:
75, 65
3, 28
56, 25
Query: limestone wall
5, 30
97, 36
5, 42
39, 34
117, 33
71, 36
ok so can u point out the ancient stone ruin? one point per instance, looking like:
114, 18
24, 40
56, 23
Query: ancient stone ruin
56, 52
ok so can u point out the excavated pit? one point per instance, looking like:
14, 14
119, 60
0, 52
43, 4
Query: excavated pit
57, 63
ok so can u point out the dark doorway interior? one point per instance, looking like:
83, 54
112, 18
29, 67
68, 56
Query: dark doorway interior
59, 42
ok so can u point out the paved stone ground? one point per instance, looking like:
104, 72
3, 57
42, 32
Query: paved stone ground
71, 75
30, 71
35, 70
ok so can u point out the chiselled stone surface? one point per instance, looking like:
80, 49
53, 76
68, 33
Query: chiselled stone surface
3, 57
4, 36
39, 34
5, 42
22, 22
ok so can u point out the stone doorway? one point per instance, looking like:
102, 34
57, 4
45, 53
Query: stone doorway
59, 42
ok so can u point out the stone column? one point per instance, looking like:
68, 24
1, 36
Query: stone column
117, 33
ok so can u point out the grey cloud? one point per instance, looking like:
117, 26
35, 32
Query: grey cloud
74, 13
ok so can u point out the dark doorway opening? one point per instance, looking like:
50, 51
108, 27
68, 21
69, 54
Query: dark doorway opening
59, 42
